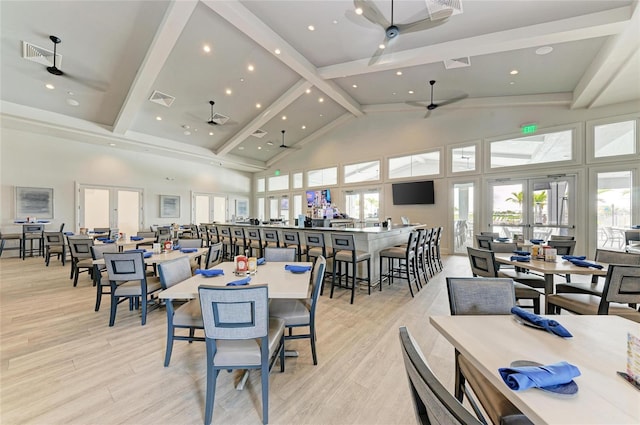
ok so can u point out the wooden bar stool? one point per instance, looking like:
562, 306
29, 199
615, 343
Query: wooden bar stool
31, 233
344, 252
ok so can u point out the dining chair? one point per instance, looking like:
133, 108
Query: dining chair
240, 240
186, 315
492, 234
228, 244
54, 245
239, 335
432, 403
254, 242
483, 263
481, 296
32, 232
561, 238
103, 287
291, 238
621, 286
279, 254
302, 313
631, 236
271, 238
484, 241
81, 260
4, 237
214, 255
128, 280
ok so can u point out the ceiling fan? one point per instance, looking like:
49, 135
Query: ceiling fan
283, 145
431, 106
372, 13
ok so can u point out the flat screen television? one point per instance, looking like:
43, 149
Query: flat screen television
413, 193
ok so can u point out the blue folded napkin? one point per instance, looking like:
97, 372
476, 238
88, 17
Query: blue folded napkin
43, 221
522, 378
502, 239
636, 226
68, 233
240, 282
136, 238
548, 324
536, 241
518, 252
261, 261
109, 241
521, 258
574, 257
136, 250
296, 268
210, 272
187, 250
147, 254
176, 247
582, 263
20, 221
102, 239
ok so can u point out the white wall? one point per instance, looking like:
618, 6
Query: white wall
37, 160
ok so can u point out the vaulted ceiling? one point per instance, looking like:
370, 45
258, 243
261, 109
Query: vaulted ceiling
301, 66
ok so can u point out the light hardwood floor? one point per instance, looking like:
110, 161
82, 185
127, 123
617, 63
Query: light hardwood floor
62, 364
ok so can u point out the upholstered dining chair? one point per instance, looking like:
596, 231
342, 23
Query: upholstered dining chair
302, 313
128, 280
402, 263
484, 241
103, 287
54, 246
482, 296
279, 254
81, 260
621, 286
345, 253
214, 255
184, 316
239, 335
291, 238
432, 403
483, 263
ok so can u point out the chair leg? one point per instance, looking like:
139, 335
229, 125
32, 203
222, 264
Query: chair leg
76, 274
458, 392
144, 309
353, 280
265, 392
312, 337
333, 277
98, 295
170, 330
536, 305
212, 375
114, 307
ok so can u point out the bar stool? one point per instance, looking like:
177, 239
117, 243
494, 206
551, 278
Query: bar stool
32, 232
292, 238
317, 247
344, 251
228, 247
212, 231
401, 263
254, 241
240, 240
437, 256
4, 237
271, 238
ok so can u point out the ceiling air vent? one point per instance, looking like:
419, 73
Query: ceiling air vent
218, 119
434, 6
40, 55
161, 98
259, 133
457, 63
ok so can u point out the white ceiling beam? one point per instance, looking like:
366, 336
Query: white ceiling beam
571, 29
282, 102
616, 53
240, 17
174, 21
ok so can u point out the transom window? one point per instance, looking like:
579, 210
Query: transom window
537, 149
424, 164
463, 159
362, 172
323, 177
614, 139
280, 182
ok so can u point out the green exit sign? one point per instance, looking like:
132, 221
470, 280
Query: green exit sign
277, 172
529, 128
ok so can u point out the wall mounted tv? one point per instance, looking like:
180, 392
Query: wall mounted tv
413, 193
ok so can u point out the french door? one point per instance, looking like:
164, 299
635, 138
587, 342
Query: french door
463, 216
363, 206
209, 207
113, 207
534, 208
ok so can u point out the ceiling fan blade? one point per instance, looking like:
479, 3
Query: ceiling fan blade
100, 86
416, 104
388, 42
453, 100
372, 13
428, 113
421, 25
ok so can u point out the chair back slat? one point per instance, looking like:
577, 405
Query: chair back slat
214, 255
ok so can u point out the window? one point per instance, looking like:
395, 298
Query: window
424, 164
463, 159
323, 177
537, 149
297, 206
362, 172
614, 139
280, 182
261, 209
297, 180
614, 208
260, 185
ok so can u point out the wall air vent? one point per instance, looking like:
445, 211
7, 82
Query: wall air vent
457, 63
161, 98
259, 133
40, 55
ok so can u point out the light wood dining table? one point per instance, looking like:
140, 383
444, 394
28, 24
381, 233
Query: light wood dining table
156, 259
598, 348
124, 244
549, 269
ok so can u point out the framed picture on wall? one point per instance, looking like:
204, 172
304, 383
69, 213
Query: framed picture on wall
169, 206
34, 202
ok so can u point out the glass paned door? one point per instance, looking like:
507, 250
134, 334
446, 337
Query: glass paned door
614, 208
363, 206
463, 202
111, 207
508, 214
209, 208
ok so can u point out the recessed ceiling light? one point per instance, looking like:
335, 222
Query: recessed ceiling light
311, 28
211, 133
410, 91
511, 83
186, 126
187, 133
242, 80
258, 105
277, 51
359, 11
228, 91
394, 93
73, 102
112, 144
544, 50
355, 86
304, 127
158, 118
50, 86
206, 48
321, 115
381, 46
307, 91
284, 117
241, 148
259, 147
250, 68
335, 22
399, 73
514, 72
70, 93
321, 99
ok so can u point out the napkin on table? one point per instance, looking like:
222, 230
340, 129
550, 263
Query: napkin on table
147, 254
502, 239
187, 250
102, 239
296, 268
521, 258
574, 257
109, 241
136, 238
137, 250
68, 233
261, 261
240, 282
522, 378
518, 252
582, 263
549, 324
210, 272
536, 241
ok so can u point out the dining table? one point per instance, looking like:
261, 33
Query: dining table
598, 349
124, 244
549, 269
156, 259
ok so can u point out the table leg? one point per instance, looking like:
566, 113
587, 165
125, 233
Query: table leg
243, 380
548, 289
